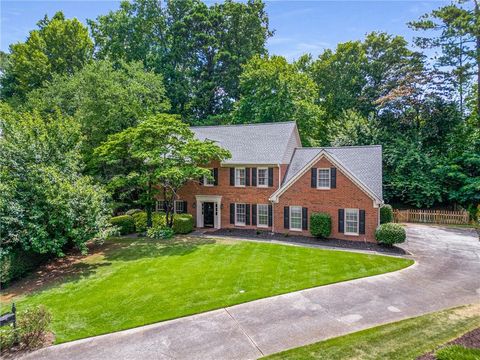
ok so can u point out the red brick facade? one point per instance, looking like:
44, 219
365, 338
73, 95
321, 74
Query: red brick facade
345, 195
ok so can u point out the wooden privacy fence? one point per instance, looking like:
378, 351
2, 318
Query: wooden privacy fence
431, 216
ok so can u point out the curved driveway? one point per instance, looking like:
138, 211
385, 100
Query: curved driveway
446, 274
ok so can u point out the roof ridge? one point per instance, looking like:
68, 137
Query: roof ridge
338, 147
238, 125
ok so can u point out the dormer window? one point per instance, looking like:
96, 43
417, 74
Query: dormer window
323, 178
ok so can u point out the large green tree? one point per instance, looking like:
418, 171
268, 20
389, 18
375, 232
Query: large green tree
199, 49
273, 90
104, 99
454, 29
46, 203
59, 46
156, 158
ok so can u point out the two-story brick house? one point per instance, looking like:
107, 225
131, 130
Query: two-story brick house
272, 183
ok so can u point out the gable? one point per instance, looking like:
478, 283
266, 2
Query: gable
364, 167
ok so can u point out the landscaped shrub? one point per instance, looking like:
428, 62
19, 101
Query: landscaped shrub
160, 232
33, 325
390, 234
17, 263
132, 211
140, 218
183, 223
125, 223
7, 338
386, 214
320, 224
457, 352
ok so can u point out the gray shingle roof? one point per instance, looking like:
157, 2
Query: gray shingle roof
364, 162
269, 143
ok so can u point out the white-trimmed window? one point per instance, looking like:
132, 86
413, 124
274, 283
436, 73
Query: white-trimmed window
239, 176
262, 177
323, 178
240, 214
262, 215
160, 206
207, 181
351, 221
179, 206
296, 218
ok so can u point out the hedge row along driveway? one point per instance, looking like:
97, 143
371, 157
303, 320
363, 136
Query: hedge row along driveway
138, 281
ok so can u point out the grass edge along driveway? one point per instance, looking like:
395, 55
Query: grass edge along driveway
406, 339
135, 282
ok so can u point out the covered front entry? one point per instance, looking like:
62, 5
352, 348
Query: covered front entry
209, 209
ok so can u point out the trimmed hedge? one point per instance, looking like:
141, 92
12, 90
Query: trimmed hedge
320, 225
183, 223
390, 234
386, 214
140, 218
160, 233
125, 223
17, 263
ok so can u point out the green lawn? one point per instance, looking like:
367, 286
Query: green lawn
403, 340
139, 281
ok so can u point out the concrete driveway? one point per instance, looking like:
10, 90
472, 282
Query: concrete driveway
446, 274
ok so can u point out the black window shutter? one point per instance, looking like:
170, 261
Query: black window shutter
361, 222
254, 176
341, 220
270, 215
201, 180
232, 213
314, 178
333, 178
185, 204
254, 214
215, 176
232, 176
247, 176
270, 176
304, 218
286, 217
247, 214
164, 205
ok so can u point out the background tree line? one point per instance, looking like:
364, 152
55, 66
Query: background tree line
68, 88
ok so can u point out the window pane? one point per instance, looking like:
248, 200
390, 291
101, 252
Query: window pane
239, 176
351, 221
324, 178
262, 215
240, 214
262, 177
209, 182
295, 217
179, 206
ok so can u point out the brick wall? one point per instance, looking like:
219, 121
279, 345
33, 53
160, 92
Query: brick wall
345, 195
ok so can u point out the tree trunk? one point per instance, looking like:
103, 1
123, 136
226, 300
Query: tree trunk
477, 52
149, 206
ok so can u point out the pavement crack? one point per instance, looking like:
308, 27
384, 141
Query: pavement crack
244, 332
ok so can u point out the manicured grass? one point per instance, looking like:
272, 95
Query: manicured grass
139, 281
457, 352
405, 339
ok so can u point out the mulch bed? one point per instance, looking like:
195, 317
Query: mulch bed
468, 340
334, 243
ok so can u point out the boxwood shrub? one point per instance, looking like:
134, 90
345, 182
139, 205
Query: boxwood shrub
320, 224
390, 234
140, 218
17, 263
125, 223
183, 223
386, 214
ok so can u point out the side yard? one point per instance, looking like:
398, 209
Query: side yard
136, 281
407, 339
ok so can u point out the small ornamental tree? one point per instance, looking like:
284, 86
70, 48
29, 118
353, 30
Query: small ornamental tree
386, 214
156, 158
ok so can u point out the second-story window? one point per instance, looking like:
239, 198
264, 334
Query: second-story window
323, 179
239, 176
209, 181
262, 177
